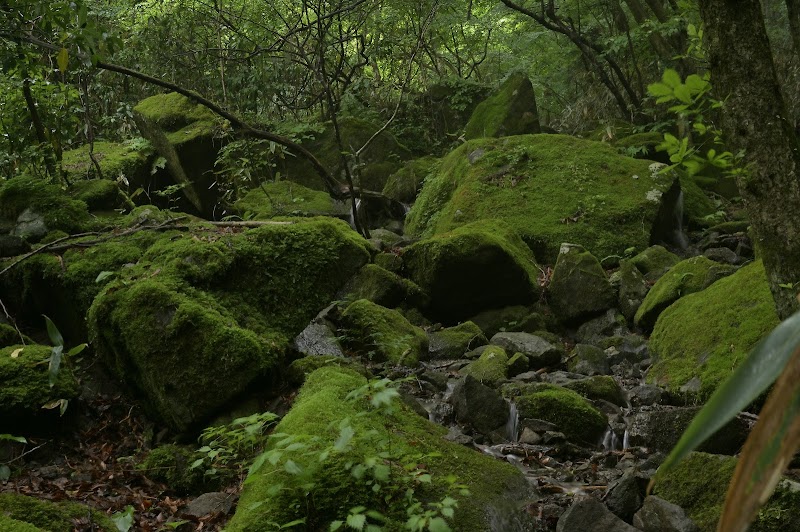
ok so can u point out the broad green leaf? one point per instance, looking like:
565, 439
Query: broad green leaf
76, 350
659, 90
102, 276
53, 332
747, 382
123, 519
768, 450
292, 467
336, 525
683, 94
11, 437
55, 364
356, 521
671, 78
63, 60
345, 435
697, 84
437, 524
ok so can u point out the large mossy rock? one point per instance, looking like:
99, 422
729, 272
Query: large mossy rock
384, 288
700, 339
182, 132
698, 484
473, 268
569, 411
382, 158
384, 334
51, 516
405, 184
490, 368
686, 277
551, 189
31, 208
25, 385
579, 287
326, 490
212, 310
512, 111
129, 161
285, 198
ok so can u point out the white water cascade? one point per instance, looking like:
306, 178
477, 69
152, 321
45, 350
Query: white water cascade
512, 425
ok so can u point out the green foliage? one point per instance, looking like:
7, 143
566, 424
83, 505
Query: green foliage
124, 519
57, 355
230, 446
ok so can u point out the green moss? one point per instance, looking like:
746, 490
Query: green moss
686, 277
705, 335
49, 201
512, 111
404, 184
173, 111
461, 338
490, 368
302, 367
697, 206
282, 198
729, 228
99, 194
171, 465
115, 160
574, 416
53, 516
12, 525
481, 265
654, 261
384, 334
216, 310
699, 482
316, 418
24, 382
550, 188
579, 286
384, 288
10, 336
599, 387
642, 142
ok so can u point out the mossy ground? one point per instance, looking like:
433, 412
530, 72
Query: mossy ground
698, 485
384, 334
24, 381
282, 198
52, 516
550, 188
707, 334
410, 441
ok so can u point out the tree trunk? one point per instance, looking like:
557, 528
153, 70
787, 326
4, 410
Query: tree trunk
793, 9
755, 119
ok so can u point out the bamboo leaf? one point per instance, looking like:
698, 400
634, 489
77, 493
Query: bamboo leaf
53, 332
750, 379
767, 452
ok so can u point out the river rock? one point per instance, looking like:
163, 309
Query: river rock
453, 342
658, 515
480, 406
588, 360
317, 339
540, 352
661, 428
579, 287
626, 494
591, 515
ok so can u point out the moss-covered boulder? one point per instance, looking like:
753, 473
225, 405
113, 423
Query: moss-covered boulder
588, 360
632, 288
384, 288
579, 287
25, 385
472, 268
699, 482
129, 161
405, 184
99, 194
603, 387
286, 198
550, 188
512, 111
33, 208
384, 334
213, 310
453, 342
10, 336
328, 420
700, 339
382, 158
172, 465
699, 209
490, 368
654, 262
62, 516
182, 132
686, 277
572, 414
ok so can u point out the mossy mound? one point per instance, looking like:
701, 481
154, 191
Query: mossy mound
211, 310
116, 160
382, 158
301, 368
99, 194
481, 265
700, 339
599, 387
699, 482
383, 334
642, 146
24, 382
490, 368
52, 516
512, 111
404, 184
282, 198
10, 336
32, 195
686, 277
453, 342
326, 490
12, 525
550, 188
384, 288
654, 261
572, 414
171, 465
182, 132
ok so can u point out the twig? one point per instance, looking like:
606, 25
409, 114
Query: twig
12, 321
29, 451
